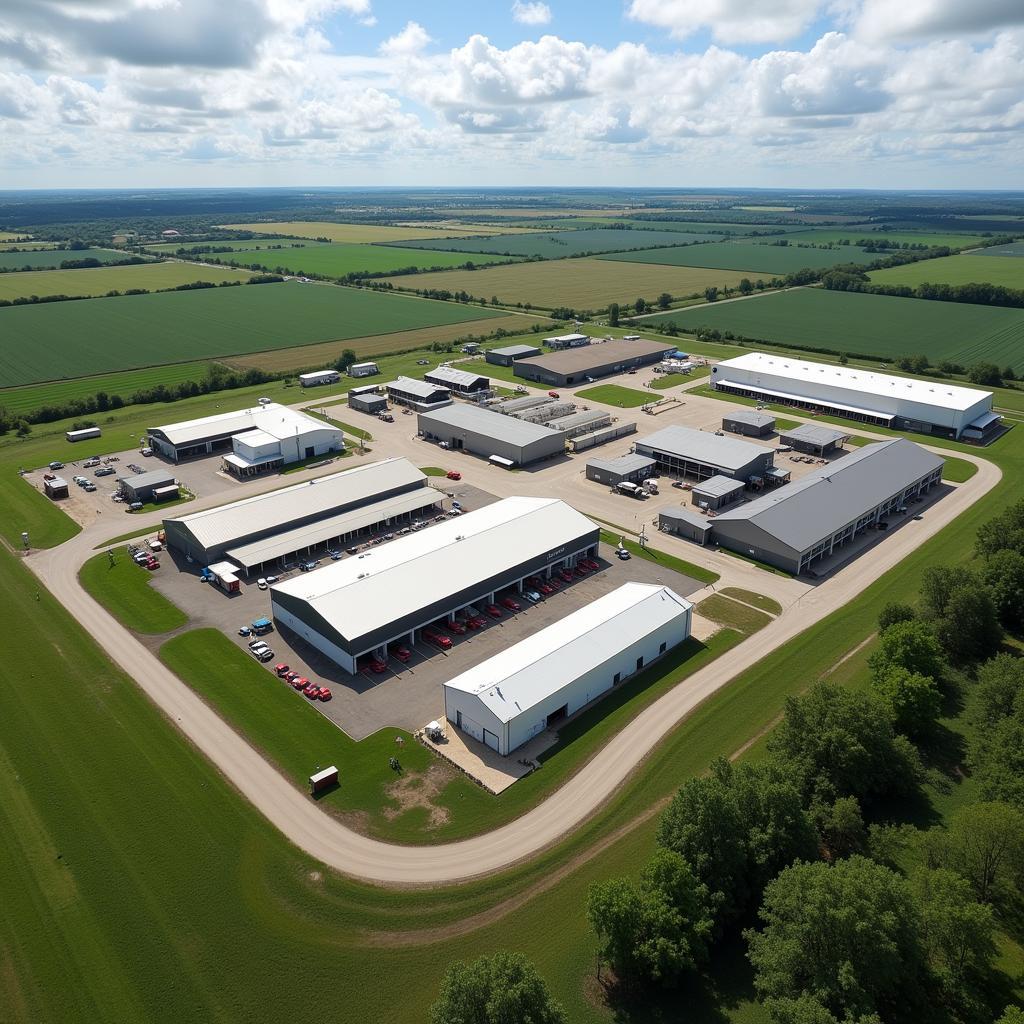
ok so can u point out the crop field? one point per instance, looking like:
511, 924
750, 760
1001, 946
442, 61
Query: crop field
1012, 250
555, 245
339, 260
242, 243
287, 359
58, 339
47, 259
713, 229
468, 227
99, 281
854, 233
950, 270
871, 325
7, 244
9, 236
304, 229
578, 284
752, 257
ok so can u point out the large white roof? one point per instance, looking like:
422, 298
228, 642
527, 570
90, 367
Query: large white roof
276, 420
867, 382
366, 593
281, 509
521, 676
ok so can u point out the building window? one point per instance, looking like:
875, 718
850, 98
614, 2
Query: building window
617, 679
639, 663
662, 648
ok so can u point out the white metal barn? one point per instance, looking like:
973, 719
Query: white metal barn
511, 697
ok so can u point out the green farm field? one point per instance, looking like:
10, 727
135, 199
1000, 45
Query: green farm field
870, 325
343, 232
276, 242
20, 246
710, 229
752, 257
952, 270
556, 245
824, 236
100, 280
1012, 249
578, 283
340, 260
47, 259
46, 342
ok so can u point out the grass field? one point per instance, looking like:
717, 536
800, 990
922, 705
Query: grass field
708, 229
123, 589
6, 244
950, 270
339, 260
152, 277
578, 283
1012, 249
732, 614
766, 604
273, 243
45, 342
615, 394
695, 572
854, 233
870, 325
48, 259
287, 359
556, 245
342, 232
750, 257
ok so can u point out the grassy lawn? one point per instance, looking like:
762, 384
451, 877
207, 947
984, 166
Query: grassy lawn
433, 471
671, 380
695, 572
958, 471
732, 614
767, 604
615, 394
123, 589
359, 432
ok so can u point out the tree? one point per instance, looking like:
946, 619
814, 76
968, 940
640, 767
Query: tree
937, 585
640, 305
970, 628
653, 929
1004, 532
837, 742
1004, 576
746, 286
999, 762
913, 699
843, 935
841, 825
345, 360
1012, 1015
711, 294
984, 373
1000, 688
910, 645
613, 314
892, 613
496, 989
664, 300
738, 826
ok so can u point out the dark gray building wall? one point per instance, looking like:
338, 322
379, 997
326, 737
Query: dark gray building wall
743, 537
747, 429
463, 439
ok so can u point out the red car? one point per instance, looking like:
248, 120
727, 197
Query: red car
545, 588
282, 670
511, 604
534, 581
493, 610
457, 628
375, 665
553, 394
591, 564
403, 654
437, 638
152, 563
290, 677
566, 575
300, 683
554, 582
453, 474
325, 693
311, 692
475, 623
581, 570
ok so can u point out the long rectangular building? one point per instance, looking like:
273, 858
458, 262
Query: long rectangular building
682, 451
473, 429
210, 534
903, 403
577, 365
537, 683
792, 526
361, 604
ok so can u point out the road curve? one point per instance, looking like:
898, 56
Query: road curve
304, 824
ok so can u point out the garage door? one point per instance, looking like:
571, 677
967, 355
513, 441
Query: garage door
490, 739
475, 729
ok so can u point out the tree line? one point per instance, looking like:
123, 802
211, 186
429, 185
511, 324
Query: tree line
979, 293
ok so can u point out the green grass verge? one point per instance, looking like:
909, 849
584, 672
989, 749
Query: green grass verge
433, 471
766, 604
123, 589
727, 612
345, 427
615, 394
695, 572
958, 471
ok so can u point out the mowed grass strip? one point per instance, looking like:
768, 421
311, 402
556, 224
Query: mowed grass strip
100, 280
123, 588
577, 283
342, 260
696, 572
869, 325
971, 269
42, 342
766, 604
731, 614
312, 229
754, 258
47, 259
615, 394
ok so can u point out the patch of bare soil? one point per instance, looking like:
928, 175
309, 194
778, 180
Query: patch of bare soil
420, 790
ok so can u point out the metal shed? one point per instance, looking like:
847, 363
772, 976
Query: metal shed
510, 353
814, 438
682, 451
625, 469
684, 523
473, 429
717, 492
749, 422
142, 486
370, 401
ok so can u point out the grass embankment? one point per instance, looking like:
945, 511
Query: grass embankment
347, 428
122, 587
433, 471
672, 380
732, 614
695, 572
766, 604
615, 394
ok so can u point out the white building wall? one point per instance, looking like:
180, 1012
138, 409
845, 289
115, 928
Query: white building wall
321, 643
475, 718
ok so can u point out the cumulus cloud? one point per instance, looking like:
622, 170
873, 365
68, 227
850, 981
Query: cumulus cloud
915, 19
528, 13
413, 39
729, 21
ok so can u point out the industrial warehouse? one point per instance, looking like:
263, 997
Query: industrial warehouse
418, 394
631, 469
749, 423
268, 528
537, 683
260, 439
510, 353
482, 432
459, 382
588, 362
681, 451
793, 526
814, 438
361, 604
923, 406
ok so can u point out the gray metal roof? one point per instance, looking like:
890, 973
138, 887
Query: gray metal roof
154, 478
279, 509
571, 360
830, 497
701, 446
417, 388
514, 405
578, 419
458, 378
483, 421
623, 464
684, 515
718, 486
814, 433
755, 417
517, 350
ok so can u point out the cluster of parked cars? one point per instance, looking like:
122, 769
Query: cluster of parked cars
312, 691
147, 559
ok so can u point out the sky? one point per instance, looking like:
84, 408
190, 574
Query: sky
687, 93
